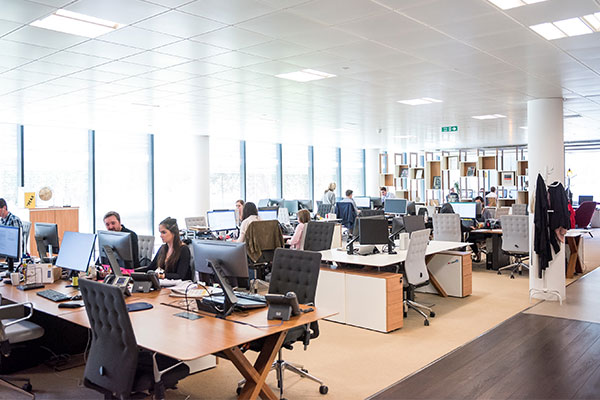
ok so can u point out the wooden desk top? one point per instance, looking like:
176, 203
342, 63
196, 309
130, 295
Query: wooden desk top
385, 259
159, 330
490, 231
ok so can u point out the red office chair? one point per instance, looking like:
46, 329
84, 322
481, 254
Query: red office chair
584, 214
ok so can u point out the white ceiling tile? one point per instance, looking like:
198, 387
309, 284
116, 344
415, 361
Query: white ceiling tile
53, 3
381, 25
206, 82
235, 59
23, 11
167, 75
73, 83
120, 11
44, 37
75, 59
500, 40
200, 68
228, 12
10, 62
7, 26
272, 68
27, 76
125, 68
276, 49
443, 11
361, 49
48, 68
315, 59
333, 12
479, 26
179, 24
280, 24
139, 38
418, 38
553, 10
169, 3
322, 38
232, 38
138, 82
191, 49
104, 49
239, 75
154, 59
98, 75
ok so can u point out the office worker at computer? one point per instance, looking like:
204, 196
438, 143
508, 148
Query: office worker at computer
329, 195
385, 194
349, 199
239, 209
492, 197
7, 218
303, 219
249, 215
173, 257
112, 221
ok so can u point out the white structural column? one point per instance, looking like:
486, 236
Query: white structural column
372, 172
546, 157
201, 175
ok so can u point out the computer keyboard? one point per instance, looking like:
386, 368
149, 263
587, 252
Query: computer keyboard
250, 296
53, 295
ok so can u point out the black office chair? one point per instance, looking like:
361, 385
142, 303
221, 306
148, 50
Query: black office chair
115, 365
318, 236
294, 271
262, 238
346, 212
371, 213
324, 209
411, 208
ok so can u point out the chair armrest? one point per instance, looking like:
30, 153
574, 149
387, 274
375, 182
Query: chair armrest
15, 311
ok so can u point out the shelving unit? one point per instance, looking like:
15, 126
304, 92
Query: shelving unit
432, 169
465, 167
386, 179
486, 162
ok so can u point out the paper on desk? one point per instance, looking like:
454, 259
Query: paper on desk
170, 282
192, 291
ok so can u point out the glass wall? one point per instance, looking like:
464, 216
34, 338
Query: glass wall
8, 165
326, 168
123, 180
353, 171
58, 158
262, 167
295, 172
225, 182
583, 180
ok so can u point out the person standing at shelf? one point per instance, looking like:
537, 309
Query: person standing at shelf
239, 209
7, 218
249, 215
112, 221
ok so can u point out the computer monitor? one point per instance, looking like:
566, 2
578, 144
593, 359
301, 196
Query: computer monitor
306, 205
230, 299
268, 215
263, 203
46, 235
362, 202
76, 251
376, 202
397, 226
357, 220
120, 244
585, 198
275, 202
478, 209
231, 257
395, 206
413, 223
292, 206
373, 231
10, 244
465, 210
221, 220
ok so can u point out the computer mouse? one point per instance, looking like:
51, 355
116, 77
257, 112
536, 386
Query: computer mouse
70, 305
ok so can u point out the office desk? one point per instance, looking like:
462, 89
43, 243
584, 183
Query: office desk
495, 258
159, 330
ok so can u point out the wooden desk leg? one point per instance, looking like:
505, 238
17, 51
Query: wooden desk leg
574, 260
256, 375
579, 264
434, 282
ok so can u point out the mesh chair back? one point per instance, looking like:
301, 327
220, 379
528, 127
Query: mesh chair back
295, 271
446, 227
515, 233
500, 211
371, 213
324, 209
414, 266
146, 246
519, 209
113, 356
318, 236
195, 221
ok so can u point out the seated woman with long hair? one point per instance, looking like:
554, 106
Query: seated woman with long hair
173, 257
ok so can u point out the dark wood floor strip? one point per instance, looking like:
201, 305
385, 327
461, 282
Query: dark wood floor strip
527, 357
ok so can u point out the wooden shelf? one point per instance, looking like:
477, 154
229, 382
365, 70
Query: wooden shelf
416, 173
523, 196
386, 179
522, 168
402, 194
506, 178
432, 169
465, 166
450, 162
486, 162
399, 170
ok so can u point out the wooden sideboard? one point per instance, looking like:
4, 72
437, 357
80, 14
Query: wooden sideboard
67, 219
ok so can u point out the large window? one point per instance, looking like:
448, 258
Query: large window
353, 171
326, 169
123, 180
58, 158
295, 172
225, 186
583, 178
8, 165
262, 166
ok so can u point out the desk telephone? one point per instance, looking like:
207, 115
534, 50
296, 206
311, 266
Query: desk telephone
282, 306
122, 282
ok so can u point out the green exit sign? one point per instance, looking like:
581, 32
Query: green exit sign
449, 128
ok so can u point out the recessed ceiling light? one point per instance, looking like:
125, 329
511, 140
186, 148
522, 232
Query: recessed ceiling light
305, 75
548, 31
573, 27
76, 24
593, 20
419, 102
489, 116
508, 4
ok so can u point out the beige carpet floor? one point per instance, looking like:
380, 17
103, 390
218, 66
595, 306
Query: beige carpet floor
355, 362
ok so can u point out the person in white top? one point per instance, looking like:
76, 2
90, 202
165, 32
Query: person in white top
385, 194
329, 195
249, 215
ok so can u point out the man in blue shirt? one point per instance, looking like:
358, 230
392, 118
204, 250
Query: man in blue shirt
385, 194
7, 218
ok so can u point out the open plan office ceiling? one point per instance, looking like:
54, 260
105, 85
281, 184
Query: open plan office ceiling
209, 67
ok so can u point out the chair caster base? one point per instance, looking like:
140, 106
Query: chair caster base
512, 277
432, 314
323, 389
